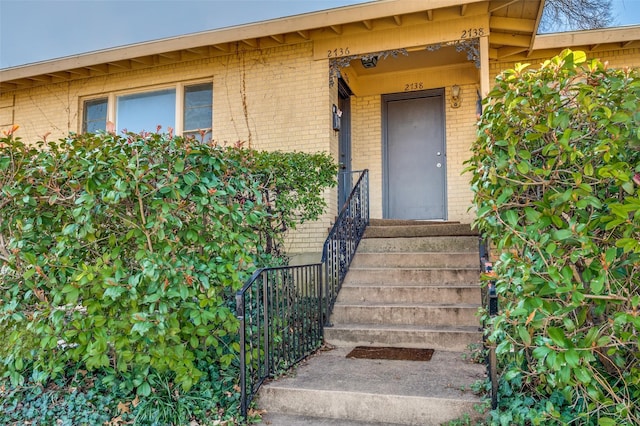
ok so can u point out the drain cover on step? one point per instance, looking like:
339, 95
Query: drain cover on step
398, 354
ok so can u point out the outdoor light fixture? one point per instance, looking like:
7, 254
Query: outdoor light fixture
369, 61
455, 96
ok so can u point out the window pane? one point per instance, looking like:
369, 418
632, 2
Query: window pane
198, 95
146, 111
198, 107
95, 115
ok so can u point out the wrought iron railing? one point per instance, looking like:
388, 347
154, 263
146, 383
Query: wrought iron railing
490, 299
280, 323
283, 310
343, 240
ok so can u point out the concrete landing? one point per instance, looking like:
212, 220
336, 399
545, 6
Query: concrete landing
329, 385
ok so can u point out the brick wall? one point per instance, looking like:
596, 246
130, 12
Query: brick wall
460, 133
272, 99
366, 145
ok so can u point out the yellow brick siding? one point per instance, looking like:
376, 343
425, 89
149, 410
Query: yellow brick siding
366, 145
272, 98
461, 127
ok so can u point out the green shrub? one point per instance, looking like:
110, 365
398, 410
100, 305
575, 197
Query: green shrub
555, 172
122, 253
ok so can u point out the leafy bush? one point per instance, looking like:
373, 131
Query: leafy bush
555, 171
122, 253
83, 398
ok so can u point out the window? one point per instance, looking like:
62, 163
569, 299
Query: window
95, 115
197, 109
188, 109
146, 111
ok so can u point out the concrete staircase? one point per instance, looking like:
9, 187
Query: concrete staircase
411, 285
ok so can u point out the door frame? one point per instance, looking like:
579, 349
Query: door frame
401, 96
344, 143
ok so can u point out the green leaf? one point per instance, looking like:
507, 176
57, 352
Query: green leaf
561, 234
607, 421
524, 335
582, 375
588, 169
620, 117
28, 273
572, 358
144, 389
557, 335
550, 248
597, 284
628, 187
511, 217
523, 167
190, 178
579, 57
178, 165
114, 292
541, 352
73, 295
141, 328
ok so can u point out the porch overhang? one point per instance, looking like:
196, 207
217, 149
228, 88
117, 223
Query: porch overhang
548, 45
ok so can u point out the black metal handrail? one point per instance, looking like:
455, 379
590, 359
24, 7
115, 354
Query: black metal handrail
280, 323
490, 298
343, 240
283, 310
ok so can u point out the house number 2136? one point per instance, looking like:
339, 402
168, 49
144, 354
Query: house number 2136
338, 52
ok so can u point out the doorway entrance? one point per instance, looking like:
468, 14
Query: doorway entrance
414, 156
345, 180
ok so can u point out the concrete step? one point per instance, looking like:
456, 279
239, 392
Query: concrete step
414, 276
408, 222
416, 260
405, 314
329, 385
444, 338
419, 244
432, 230
279, 419
411, 294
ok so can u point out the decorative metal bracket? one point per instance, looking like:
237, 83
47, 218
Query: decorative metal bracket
471, 46
335, 65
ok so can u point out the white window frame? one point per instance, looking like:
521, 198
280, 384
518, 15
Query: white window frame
112, 100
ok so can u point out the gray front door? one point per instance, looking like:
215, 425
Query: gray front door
414, 156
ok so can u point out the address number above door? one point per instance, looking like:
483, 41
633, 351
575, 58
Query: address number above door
402, 37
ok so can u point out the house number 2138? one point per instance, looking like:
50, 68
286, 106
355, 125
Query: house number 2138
472, 33
413, 86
